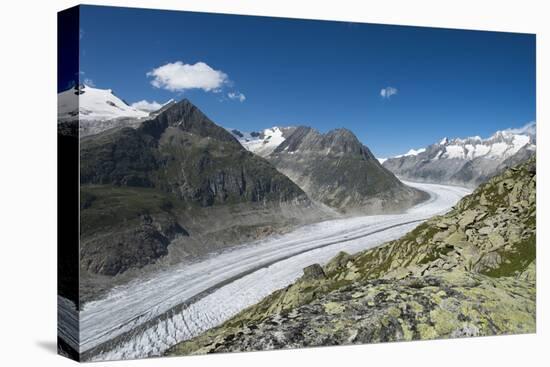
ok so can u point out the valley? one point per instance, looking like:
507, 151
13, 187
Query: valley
148, 315
185, 224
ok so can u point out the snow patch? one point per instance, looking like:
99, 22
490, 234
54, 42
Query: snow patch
94, 104
262, 143
499, 146
411, 152
454, 151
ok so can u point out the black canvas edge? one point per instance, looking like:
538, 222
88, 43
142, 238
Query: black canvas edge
68, 184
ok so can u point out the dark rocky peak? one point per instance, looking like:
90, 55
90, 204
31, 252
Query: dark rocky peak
168, 105
187, 117
335, 142
343, 141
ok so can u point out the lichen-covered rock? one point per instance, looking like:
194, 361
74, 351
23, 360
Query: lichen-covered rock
470, 272
313, 272
441, 305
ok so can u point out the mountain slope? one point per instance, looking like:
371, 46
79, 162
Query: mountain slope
467, 161
470, 272
177, 186
337, 170
183, 152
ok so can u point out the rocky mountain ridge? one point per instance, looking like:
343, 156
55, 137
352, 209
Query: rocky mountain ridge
337, 170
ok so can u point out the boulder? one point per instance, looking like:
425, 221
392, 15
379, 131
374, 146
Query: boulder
314, 272
467, 218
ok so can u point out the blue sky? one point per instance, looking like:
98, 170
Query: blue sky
395, 87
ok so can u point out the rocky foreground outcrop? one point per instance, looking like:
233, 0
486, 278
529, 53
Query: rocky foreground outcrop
470, 272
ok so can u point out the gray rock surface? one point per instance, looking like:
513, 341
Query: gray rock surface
340, 172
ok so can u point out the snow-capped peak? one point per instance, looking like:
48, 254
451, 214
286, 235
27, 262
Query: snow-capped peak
529, 129
501, 145
96, 104
411, 152
264, 142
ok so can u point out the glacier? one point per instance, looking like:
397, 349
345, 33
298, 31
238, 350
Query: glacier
147, 316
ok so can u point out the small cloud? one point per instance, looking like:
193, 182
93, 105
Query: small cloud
238, 96
178, 77
528, 129
81, 33
147, 106
89, 82
387, 92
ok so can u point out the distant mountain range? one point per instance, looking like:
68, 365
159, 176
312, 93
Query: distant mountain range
468, 161
159, 187
335, 168
162, 186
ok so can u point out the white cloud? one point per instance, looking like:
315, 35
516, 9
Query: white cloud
178, 76
528, 129
236, 96
147, 106
388, 92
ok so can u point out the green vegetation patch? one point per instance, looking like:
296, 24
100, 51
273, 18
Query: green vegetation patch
515, 260
107, 206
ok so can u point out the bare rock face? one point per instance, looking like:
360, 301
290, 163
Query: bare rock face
340, 172
470, 272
